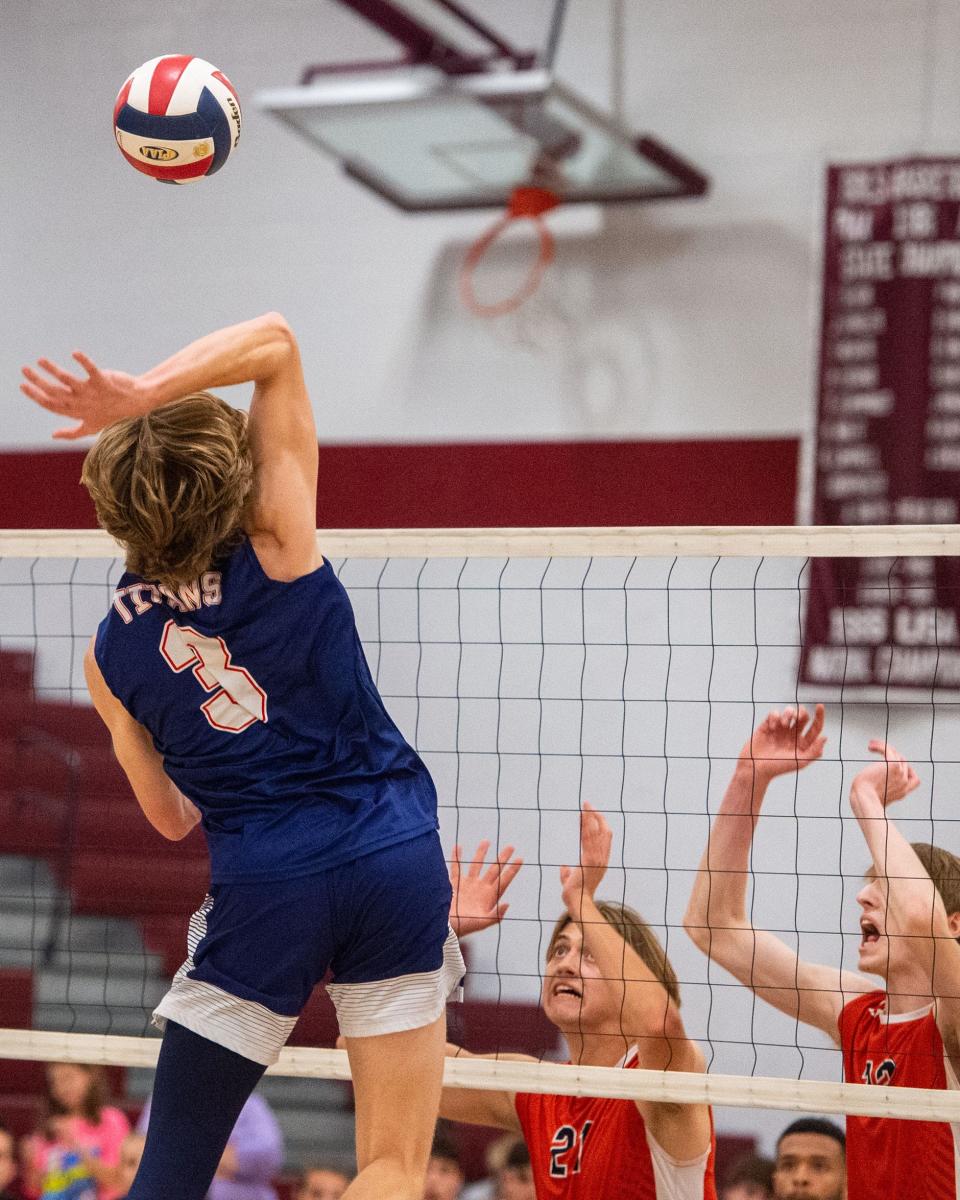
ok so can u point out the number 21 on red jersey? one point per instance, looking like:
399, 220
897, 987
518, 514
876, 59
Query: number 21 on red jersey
566, 1150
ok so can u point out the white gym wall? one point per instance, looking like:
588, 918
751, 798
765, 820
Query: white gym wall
690, 319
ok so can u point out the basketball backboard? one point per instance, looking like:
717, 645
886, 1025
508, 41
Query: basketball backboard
428, 141
469, 110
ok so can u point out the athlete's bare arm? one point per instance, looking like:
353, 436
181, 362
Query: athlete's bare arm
163, 804
648, 1017
475, 1107
716, 917
281, 518
647, 1014
914, 910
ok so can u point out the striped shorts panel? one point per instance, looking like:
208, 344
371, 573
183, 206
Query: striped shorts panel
379, 924
396, 1005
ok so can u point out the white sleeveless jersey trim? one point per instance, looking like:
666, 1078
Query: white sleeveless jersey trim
953, 1085
888, 1018
675, 1179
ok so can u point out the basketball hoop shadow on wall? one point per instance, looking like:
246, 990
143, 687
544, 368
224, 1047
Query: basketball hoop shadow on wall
464, 120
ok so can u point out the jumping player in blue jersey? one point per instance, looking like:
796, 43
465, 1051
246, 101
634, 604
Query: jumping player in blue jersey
231, 677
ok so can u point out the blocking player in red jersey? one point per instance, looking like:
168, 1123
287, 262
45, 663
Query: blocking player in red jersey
902, 1035
610, 990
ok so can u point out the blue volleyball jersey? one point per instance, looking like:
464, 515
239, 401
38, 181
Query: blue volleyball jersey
258, 696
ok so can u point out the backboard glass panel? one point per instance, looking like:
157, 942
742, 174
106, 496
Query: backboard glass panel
429, 141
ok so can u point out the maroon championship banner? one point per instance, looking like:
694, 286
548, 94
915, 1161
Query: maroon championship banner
888, 432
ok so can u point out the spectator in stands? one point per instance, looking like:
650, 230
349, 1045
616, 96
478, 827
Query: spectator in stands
131, 1151
750, 1178
8, 1162
494, 1158
811, 1161
322, 1182
515, 1177
509, 1174
444, 1174
78, 1144
254, 1154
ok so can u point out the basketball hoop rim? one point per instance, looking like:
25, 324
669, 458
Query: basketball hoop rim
529, 203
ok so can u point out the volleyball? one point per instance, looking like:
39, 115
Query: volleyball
177, 118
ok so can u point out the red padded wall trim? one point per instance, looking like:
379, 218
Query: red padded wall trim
730, 482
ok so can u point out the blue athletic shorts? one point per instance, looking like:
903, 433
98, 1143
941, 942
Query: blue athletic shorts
379, 923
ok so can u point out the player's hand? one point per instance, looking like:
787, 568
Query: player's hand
596, 838
784, 742
476, 895
887, 781
100, 399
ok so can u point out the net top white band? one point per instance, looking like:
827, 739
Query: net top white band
746, 541
675, 1087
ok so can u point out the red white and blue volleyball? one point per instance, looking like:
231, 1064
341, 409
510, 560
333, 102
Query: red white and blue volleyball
177, 118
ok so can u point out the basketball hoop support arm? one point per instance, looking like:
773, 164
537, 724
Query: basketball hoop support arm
422, 45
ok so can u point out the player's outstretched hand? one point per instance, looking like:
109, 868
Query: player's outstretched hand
785, 741
887, 781
476, 895
95, 402
596, 838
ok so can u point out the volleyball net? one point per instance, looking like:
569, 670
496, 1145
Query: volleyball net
532, 670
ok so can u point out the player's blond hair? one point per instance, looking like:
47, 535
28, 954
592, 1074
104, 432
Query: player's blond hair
636, 933
171, 485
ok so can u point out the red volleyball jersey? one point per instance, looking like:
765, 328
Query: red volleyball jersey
588, 1148
889, 1159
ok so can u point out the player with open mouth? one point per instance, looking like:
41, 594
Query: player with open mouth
905, 1034
611, 991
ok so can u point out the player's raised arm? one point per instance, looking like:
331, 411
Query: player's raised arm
252, 351
282, 514
477, 904
901, 901
642, 988
649, 1015
283, 441
716, 917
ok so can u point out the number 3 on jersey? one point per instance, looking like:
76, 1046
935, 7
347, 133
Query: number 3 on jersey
238, 700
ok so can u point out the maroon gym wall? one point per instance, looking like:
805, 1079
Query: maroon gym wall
750, 481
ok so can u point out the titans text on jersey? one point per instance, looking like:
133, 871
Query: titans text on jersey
138, 598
